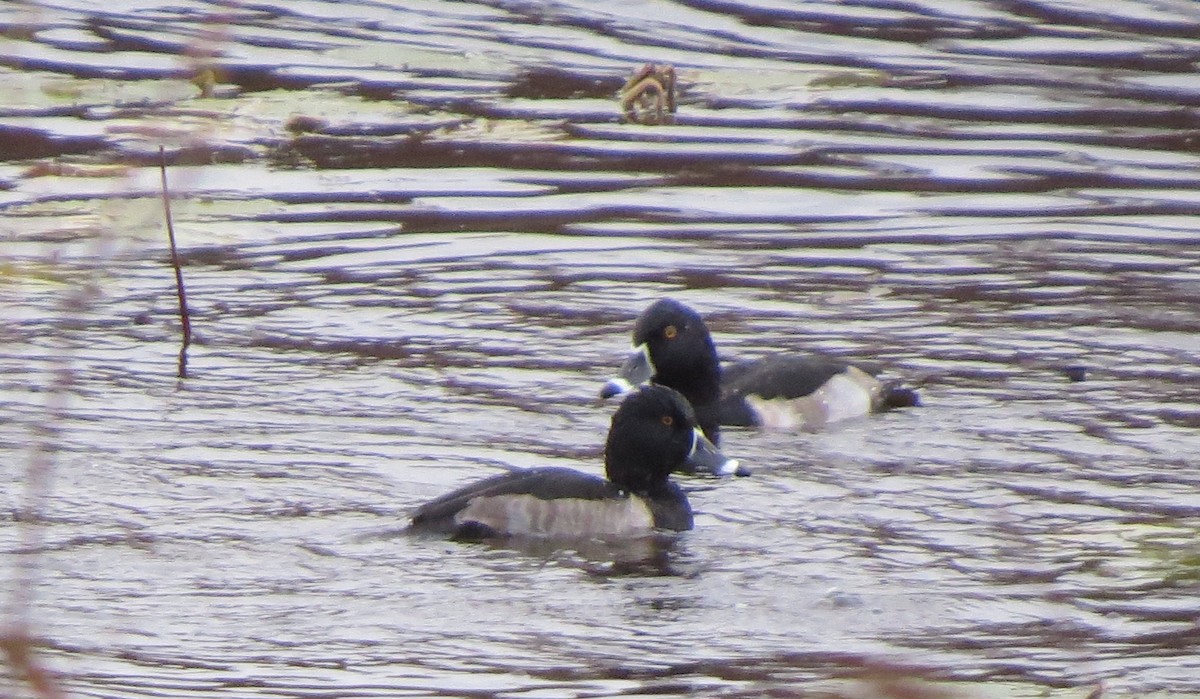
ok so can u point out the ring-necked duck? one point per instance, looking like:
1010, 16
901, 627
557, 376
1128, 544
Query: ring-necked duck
672, 347
653, 433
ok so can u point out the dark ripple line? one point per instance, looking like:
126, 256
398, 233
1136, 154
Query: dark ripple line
1056, 13
1157, 508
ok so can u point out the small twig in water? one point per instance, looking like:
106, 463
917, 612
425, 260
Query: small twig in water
183, 307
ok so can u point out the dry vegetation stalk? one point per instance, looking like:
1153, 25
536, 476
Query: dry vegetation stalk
184, 315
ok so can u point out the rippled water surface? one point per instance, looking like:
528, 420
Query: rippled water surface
416, 236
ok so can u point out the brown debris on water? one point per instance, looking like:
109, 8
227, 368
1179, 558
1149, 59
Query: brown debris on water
648, 97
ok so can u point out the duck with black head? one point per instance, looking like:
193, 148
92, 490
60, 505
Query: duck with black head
673, 347
653, 433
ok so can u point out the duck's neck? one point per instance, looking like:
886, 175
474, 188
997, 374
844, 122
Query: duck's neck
642, 483
708, 417
700, 383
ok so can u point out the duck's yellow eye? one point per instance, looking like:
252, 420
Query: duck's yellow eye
670, 332
668, 420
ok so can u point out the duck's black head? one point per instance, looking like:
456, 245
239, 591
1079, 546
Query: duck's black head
680, 348
654, 433
672, 347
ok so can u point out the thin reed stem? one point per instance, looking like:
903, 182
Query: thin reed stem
184, 315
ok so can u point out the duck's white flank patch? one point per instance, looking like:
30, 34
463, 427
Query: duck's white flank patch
852, 393
563, 517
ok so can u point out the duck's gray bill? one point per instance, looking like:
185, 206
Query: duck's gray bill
707, 458
637, 369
